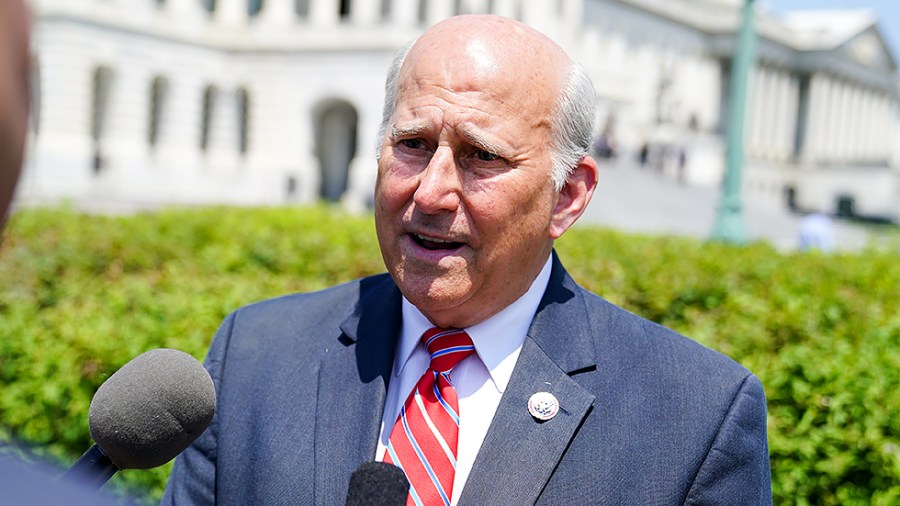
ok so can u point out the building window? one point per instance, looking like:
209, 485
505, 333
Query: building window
335, 129
254, 6
301, 7
210, 5
423, 11
100, 91
243, 102
209, 102
158, 90
345, 9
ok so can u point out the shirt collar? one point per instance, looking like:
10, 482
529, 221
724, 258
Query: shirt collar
497, 340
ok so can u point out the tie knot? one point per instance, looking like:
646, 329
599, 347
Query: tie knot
447, 347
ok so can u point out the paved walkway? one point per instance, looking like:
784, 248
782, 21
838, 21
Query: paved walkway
640, 200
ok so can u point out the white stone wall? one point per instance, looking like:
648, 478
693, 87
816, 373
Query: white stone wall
656, 64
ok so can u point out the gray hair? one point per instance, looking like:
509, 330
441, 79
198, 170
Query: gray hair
572, 119
390, 92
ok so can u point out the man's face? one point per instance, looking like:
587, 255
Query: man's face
464, 199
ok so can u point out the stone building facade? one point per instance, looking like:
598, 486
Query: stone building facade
144, 103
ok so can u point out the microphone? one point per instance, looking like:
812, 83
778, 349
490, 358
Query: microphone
377, 484
145, 414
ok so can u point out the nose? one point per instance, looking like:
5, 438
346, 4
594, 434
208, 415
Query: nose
439, 186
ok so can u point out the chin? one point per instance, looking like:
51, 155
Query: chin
435, 294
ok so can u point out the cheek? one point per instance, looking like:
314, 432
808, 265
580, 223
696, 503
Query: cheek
520, 220
390, 187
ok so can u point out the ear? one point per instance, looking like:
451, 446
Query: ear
573, 199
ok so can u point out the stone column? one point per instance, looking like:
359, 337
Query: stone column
124, 178
812, 143
231, 12
223, 148
436, 10
785, 120
405, 13
753, 135
885, 124
840, 120
179, 136
324, 12
133, 7
184, 8
856, 124
474, 6
770, 107
828, 119
540, 14
365, 12
868, 126
843, 122
505, 8
63, 149
776, 114
791, 115
278, 13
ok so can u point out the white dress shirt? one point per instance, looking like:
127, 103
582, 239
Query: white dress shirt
480, 379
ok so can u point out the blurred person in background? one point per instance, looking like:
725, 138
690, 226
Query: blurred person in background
817, 233
22, 483
14, 96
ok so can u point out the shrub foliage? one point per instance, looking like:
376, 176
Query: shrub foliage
83, 294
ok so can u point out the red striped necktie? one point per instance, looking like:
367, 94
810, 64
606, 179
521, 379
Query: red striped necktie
424, 439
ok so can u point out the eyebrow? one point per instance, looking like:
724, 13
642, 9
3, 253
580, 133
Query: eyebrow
407, 130
481, 142
474, 138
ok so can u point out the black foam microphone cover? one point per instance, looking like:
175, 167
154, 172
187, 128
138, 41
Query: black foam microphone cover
377, 484
152, 408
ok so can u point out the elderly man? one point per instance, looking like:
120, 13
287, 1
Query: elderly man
477, 365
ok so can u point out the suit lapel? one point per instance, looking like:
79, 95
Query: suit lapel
352, 384
519, 452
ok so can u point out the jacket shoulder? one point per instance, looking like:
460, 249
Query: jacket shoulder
310, 308
618, 328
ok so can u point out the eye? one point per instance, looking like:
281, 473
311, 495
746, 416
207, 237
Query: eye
412, 143
486, 156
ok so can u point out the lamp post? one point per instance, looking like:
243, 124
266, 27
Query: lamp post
729, 225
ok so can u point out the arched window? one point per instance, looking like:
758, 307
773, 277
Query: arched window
158, 91
243, 103
209, 103
254, 6
335, 127
100, 91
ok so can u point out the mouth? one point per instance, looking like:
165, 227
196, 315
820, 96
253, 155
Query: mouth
434, 243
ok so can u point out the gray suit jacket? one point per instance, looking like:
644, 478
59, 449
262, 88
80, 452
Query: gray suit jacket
647, 416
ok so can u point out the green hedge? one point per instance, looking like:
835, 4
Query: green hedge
82, 295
